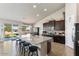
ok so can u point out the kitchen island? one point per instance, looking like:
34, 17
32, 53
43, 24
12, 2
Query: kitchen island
40, 41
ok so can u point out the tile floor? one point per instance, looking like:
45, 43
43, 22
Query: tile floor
8, 48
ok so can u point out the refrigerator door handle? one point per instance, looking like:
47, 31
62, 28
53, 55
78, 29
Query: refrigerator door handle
77, 31
73, 38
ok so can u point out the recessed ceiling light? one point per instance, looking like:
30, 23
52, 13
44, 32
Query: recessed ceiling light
45, 9
34, 6
37, 15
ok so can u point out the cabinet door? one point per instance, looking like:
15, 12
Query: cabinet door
57, 25
60, 25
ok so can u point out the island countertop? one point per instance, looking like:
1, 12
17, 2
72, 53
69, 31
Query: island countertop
35, 39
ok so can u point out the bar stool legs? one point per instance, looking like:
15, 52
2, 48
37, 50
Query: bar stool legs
33, 51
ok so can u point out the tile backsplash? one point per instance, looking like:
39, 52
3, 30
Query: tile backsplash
59, 32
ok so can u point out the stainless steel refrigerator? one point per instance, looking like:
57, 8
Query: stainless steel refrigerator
76, 43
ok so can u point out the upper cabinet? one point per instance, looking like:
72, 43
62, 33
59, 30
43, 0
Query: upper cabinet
60, 25
56, 25
51, 23
48, 27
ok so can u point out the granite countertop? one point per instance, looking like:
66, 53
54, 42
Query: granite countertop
36, 39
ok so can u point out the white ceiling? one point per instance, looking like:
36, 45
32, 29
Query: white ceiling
26, 13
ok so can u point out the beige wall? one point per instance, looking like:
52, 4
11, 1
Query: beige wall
77, 13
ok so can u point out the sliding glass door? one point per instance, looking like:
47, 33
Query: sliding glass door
1, 31
7, 30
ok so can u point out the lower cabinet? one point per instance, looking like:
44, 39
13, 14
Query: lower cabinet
59, 39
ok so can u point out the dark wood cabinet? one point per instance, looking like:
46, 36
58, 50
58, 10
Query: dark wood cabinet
59, 39
60, 25
51, 23
48, 26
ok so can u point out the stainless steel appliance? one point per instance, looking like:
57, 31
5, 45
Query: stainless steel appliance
76, 43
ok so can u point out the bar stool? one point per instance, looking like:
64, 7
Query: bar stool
26, 47
17, 41
21, 43
33, 50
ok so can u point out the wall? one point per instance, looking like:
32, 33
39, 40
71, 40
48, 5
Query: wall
58, 15
77, 13
70, 19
